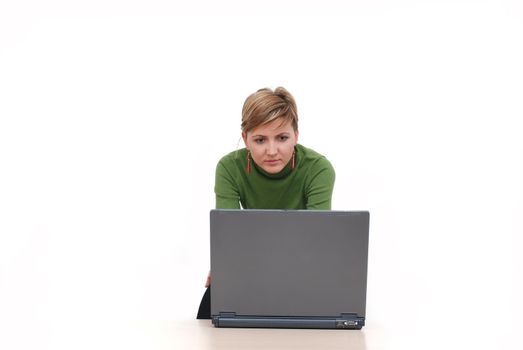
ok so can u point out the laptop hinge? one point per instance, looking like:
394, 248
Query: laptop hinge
216, 319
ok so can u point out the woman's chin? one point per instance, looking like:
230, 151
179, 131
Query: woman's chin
272, 169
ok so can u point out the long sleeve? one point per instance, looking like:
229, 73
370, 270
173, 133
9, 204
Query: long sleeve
319, 190
226, 189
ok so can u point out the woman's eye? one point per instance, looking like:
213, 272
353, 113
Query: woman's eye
283, 138
258, 141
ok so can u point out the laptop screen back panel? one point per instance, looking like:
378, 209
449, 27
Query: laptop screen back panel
289, 263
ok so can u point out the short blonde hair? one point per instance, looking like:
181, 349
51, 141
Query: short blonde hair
266, 105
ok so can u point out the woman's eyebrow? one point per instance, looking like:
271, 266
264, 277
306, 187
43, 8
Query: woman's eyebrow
280, 134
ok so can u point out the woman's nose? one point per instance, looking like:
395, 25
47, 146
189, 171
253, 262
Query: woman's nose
272, 149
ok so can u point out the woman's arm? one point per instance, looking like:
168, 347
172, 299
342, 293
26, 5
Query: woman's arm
319, 189
226, 190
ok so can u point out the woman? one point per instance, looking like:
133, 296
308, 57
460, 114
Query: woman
273, 171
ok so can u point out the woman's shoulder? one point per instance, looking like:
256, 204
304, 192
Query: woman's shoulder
233, 159
311, 157
317, 168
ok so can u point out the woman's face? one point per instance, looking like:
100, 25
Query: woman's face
271, 145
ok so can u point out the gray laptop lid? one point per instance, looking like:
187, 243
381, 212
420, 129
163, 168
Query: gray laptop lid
289, 262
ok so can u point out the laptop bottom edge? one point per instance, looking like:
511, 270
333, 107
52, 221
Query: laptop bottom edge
346, 321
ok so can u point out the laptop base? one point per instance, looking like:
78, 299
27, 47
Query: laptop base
344, 321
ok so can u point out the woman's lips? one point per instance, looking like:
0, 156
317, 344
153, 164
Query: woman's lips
272, 161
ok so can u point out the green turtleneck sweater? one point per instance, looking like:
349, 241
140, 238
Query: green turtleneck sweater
308, 186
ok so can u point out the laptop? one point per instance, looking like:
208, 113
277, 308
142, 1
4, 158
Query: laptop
289, 268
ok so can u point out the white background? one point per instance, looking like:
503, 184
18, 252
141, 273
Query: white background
113, 115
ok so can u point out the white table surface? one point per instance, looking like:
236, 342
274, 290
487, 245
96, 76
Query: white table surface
200, 334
